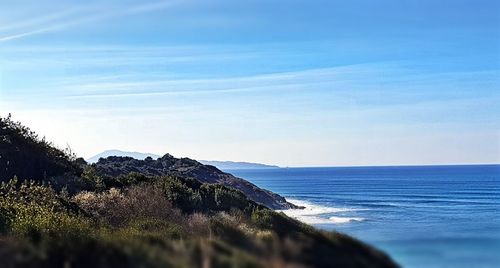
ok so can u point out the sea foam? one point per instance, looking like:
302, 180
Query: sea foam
312, 213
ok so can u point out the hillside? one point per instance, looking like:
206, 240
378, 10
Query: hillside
124, 212
24, 154
115, 166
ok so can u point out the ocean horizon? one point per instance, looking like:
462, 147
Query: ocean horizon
430, 215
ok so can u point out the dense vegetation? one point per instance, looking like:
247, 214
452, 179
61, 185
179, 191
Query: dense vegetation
114, 166
24, 154
137, 220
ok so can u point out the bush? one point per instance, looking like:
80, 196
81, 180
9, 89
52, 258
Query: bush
198, 224
185, 198
192, 196
117, 207
31, 209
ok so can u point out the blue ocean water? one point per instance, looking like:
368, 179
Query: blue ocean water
422, 216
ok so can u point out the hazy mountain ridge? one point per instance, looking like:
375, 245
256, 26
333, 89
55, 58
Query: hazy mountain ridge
235, 165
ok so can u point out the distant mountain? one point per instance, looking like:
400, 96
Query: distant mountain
224, 165
136, 155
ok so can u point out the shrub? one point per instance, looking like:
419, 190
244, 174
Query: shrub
192, 196
31, 209
117, 207
32, 220
91, 177
198, 224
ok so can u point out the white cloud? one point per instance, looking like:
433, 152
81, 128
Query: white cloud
75, 16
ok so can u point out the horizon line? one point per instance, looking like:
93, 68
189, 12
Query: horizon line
384, 165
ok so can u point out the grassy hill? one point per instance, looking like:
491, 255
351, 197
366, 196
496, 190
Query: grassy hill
71, 214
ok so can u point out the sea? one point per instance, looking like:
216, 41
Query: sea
422, 216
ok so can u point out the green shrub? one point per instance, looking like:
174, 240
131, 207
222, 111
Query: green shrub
192, 196
29, 208
91, 177
182, 196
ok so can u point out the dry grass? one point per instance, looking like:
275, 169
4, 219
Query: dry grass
117, 207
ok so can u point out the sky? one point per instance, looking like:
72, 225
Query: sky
292, 83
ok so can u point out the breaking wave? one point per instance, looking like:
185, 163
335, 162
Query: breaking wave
316, 214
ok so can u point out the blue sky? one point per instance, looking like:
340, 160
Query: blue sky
293, 83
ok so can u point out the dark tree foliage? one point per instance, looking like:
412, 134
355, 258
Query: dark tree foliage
191, 196
24, 154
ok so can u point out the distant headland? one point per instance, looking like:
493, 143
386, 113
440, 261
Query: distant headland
224, 165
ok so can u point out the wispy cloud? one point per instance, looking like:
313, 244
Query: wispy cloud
41, 20
366, 78
75, 16
273, 81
